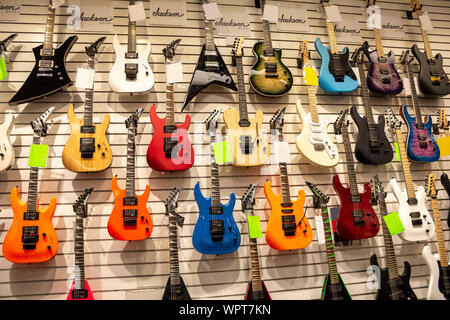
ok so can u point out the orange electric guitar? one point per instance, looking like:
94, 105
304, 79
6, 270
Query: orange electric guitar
32, 237
288, 228
130, 219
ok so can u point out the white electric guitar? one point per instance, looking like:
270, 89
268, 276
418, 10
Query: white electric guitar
313, 142
6, 150
131, 73
412, 209
439, 285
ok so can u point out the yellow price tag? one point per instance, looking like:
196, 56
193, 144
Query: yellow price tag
444, 146
310, 76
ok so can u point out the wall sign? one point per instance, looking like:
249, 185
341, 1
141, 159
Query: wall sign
88, 17
234, 22
168, 12
9, 10
347, 30
292, 17
392, 27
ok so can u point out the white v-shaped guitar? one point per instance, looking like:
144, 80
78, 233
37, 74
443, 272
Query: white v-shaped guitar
7, 157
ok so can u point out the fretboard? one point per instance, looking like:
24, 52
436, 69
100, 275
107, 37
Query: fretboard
313, 103
353, 183
284, 183
173, 251
33, 183
256, 272
365, 94
439, 234
331, 256
48, 38
378, 42
405, 164
243, 112
130, 187
426, 41
170, 108
209, 36
414, 96
215, 187
131, 36
330, 30
79, 253
268, 49
89, 100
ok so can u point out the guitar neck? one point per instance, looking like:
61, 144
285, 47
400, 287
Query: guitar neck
365, 94
439, 234
89, 100
170, 107
243, 112
405, 165
352, 181
215, 187
414, 96
131, 36
330, 30
268, 49
33, 183
313, 103
426, 41
130, 186
256, 272
79, 253
331, 256
378, 42
284, 183
209, 36
48, 38
173, 251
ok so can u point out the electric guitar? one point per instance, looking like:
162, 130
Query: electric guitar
80, 289
7, 155
130, 219
216, 231
49, 74
442, 123
422, 145
131, 73
446, 183
3, 48
432, 77
382, 77
372, 145
357, 219
170, 148
392, 285
335, 74
288, 227
334, 287
210, 68
32, 237
175, 288
439, 285
87, 149
412, 209
269, 76
313, 142
249, 146
256, 289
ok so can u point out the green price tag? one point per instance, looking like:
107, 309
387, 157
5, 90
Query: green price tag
394, 223
397, 151
3, 72
38, 155
254, 227
222, 152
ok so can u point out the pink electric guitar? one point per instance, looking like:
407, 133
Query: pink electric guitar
80, 289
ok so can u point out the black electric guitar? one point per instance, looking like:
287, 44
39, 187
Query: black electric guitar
333, 288
392, 286
256, 289
446, 183
372, 145
49, 74
175, 288
432, 77
210, 67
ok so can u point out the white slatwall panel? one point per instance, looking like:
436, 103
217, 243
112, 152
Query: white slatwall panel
121, 270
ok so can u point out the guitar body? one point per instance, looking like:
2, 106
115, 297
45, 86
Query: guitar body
265, 84
182, 295
47, 240
144, 225
315, 133
204, 76
260, 152
446, 183
437, 289
335, 292
74, 294
422, 231
347, 226
118, 81
363, 151
395, 289
329, 79
382, 78
275, 235
182, 155
431, 68
255, 296
102, 156
201, 238
40, 84
430, 151
7, 156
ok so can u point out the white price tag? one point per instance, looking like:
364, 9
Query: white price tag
85, 78
407, 86
374, 17
174, 72
333, 14
270, 13
57, 3
338, 138
136, 11
426, 22
319, 230
281, 151
212, 11
356, 71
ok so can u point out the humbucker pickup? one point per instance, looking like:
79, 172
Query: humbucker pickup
46, 63
130, 201
87, 129
47, 52
358, 217
31, 215
79, 294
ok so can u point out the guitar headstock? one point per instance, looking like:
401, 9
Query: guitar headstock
39, 125
303, 53
319, 198
430, 187
371, 2
325, 3
442, 119
169, 51
416, 6
405, 58
132, 121
80, 205
248, 198
392, 120
4, 44
358, 56
211, 122
277, 121
171, 204
92, 50
341, 122
377, 188
238, 49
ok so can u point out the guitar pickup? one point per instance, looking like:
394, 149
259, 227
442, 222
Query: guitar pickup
87, 129
131, 55
271, 67
216, 210
319, 146
79, 294
169, 129
386, 80
87, 147
216, 230
358, 216
29, 237
423, 144
130, 201
421, 137
355, 198
46, 63
288, 225
131, 71
47, 52
129, 217
30, 215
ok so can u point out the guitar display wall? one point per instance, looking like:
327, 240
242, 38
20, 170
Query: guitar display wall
139, 270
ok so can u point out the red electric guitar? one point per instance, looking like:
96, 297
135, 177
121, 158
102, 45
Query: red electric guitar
357, 219
80, 289
170, 148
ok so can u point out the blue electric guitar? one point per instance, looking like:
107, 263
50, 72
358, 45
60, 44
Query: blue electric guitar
216, 231
335, 75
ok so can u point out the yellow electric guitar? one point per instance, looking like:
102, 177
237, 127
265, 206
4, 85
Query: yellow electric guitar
248, 144
87, 149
